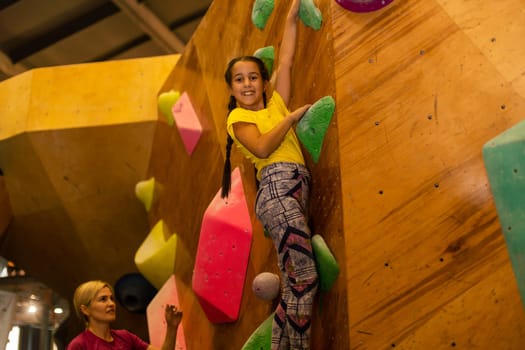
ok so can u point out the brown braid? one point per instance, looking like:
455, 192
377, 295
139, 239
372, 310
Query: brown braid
226, 175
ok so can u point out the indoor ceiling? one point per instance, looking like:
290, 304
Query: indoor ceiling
43, 33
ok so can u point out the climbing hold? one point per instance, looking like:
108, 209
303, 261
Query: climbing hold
503, 159
223, 253
134, 292
327, 266
261, 11
188, 123
363, 5
261, 338
155, 258
312, 127
165, 101
267, 55
146, 192
167, 294
266, 286
310, 15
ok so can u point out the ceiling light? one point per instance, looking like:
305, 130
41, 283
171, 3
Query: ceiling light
31, 309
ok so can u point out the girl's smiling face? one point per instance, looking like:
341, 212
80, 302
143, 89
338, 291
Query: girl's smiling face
248, 85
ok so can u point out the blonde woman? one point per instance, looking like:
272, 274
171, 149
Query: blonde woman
94, 303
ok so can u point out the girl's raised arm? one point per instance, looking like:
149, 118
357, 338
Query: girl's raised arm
283, 72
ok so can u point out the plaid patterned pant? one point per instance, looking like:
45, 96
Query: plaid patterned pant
281, 206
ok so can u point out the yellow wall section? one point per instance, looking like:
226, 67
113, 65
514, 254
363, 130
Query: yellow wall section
15, 94
82, 95
74, 141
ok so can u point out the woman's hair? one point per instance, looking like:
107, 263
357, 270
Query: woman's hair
85, 293
232, 104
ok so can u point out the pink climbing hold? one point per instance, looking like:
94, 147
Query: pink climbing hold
363, 5
222, 255
190, 128
155, 315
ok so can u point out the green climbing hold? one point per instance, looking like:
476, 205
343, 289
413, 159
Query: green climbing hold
267, 55
312, 127
261, 11
503, 158
261, 338
310, 14
327, 267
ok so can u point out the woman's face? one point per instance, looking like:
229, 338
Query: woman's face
248, 85
102, 308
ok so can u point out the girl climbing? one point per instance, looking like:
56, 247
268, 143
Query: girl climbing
264, 132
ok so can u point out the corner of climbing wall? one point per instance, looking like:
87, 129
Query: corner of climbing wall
15, 94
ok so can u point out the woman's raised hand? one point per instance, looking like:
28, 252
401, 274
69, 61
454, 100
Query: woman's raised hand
173, 316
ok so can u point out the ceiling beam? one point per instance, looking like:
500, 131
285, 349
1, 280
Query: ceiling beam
6, 3
60, 30
194, 16
151, 25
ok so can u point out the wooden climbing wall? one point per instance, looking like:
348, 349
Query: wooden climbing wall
400, 193
421, 86
200, 73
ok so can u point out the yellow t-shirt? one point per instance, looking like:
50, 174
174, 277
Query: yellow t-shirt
265, 120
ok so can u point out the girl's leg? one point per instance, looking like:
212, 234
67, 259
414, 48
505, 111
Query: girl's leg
297, 260
280, 340
281, 206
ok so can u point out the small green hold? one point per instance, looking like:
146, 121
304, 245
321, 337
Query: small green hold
261, 11
327, 266
310, 14
267, 55
312, 127
261, 338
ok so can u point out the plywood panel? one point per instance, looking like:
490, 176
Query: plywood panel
417, 99
200, 72
496, 28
